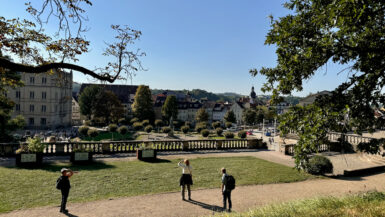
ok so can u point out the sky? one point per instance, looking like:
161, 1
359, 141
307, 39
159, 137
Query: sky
200, 44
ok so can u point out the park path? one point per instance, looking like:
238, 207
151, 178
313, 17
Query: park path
208, 201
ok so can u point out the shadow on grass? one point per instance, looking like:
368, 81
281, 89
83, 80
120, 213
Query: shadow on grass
57, 167
157, 160
359, 176
214, 208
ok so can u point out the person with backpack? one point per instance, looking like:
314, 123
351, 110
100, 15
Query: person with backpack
63, 184
228, 184
186, 178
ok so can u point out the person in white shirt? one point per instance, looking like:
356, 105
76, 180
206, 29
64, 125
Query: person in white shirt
186, 178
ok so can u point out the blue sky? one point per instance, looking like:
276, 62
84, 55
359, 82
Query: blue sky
205, 44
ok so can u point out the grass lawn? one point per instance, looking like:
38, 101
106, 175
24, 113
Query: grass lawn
24, 188
108, 136
362, 205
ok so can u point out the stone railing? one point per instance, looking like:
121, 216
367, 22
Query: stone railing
8, 149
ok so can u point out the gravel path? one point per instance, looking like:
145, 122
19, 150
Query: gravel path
208, 201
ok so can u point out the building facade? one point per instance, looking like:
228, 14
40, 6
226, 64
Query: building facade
45, 100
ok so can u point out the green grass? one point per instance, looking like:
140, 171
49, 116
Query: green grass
108, 136
24, 188
361, 205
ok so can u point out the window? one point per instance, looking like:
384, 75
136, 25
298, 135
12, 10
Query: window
31, 80
17, 108
32, 95
43, 108
31, 108
43, 121
43, 80
31, 121
18, 94
44, 95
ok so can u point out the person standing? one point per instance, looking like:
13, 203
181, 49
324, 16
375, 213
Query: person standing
225, 191
186, 178
64, 185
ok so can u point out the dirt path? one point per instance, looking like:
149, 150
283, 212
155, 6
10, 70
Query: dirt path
206, 202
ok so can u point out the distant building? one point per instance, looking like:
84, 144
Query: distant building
76, 118
312, 97
45, 100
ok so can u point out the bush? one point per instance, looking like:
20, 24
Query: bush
219, 131
319, 165
123, 130
148, 128
122, 121
242, 134
199, 128
185, 129
228, 124
145, 123
166, 129
187, 123
87, 123
158, 123
35, 145
112, 127
137, 126
134, 120
92, 133
83, 130
216, 124
229, 135
205, 133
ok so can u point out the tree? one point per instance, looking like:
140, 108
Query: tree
143, 105
170, 108
249, 116
230, 117
107, 106
86, 99
345, 32
201, 115
37, 52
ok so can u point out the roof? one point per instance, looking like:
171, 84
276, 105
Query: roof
123, 92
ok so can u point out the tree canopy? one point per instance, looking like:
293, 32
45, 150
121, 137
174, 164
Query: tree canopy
230, 117
143, 106
86, 99
345, 32
202, 115
170, 108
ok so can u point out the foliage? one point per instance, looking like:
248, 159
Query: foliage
200, 126
83, 130
242, 134
201, 115
316, 33
319, 165
133, 120
148, 128
216, 124
145, 123
92, 133
203, 94
219, 131
137, 126
107, 106
170, 108
249, 116
122, 121
166, 129
35, 145
123, 130
187, 123
230, 117
185, 129
112, 127
229, 135
228, 124
205, 132
143, 104
262, 112
86, 99
158, 123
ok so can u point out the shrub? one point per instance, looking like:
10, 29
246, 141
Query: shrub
92, 133
145, 123
122, 121
134, 120
199, 128
229, 135
87, 123
112, 127
187, 123
35, 145
137, 126
83, 130
228, 124
319, 165
216, 124
158, 123
219, 131
205, 133
166, 129
185, 129
242, 134
148, 128
123, 130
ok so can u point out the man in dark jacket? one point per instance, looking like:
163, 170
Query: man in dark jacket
65, 187
225, 192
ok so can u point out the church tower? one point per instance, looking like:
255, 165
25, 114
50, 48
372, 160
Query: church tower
253, 96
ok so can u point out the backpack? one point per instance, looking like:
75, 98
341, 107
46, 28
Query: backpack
59, 183
230, 182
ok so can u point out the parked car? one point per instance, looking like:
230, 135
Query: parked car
249, 133
268, 134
